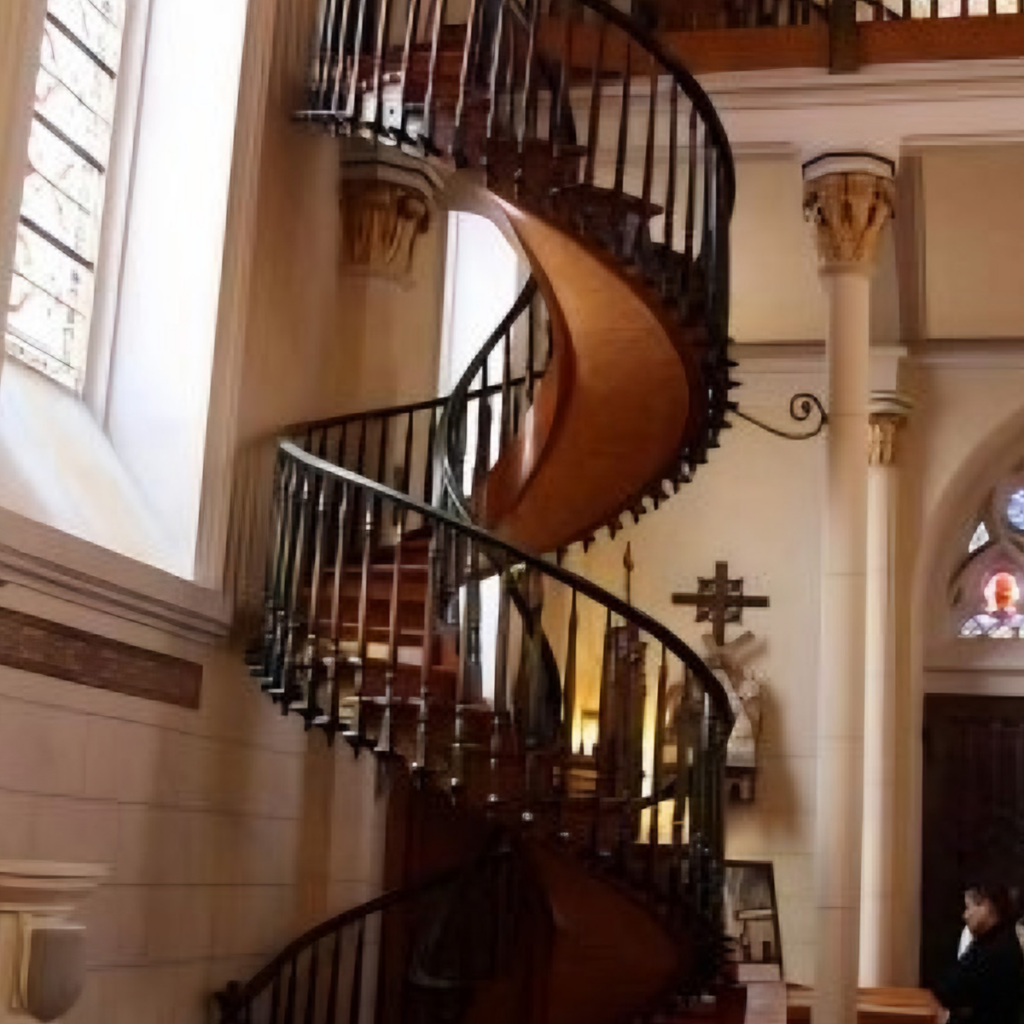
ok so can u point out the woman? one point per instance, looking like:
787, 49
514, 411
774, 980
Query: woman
987, 984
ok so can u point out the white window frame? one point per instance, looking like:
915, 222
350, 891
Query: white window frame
117, 187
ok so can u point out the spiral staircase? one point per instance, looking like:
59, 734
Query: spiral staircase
415, 601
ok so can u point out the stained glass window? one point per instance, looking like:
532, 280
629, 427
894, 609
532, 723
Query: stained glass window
1000, 620
62, 204
978, 538
1015, 509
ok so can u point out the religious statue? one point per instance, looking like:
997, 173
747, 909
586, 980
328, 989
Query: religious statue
721, 601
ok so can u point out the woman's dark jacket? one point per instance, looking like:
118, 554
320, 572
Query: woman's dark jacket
987, 984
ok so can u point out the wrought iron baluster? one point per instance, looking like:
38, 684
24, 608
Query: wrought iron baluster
287, 688
506, 380
336, 599
325, 25
281, 583
458, 148
385, 740
595, 106
492, 110
355, 733
668, 285
557, 112
657, 770
428, 470
483, 435
500, 703
331, 1010
706, 218
435, 558
382, 468
356, 999
314, 962
529, 89
620, 151
311, 656
412, 13
569, 680
357, 53
510, 83
275, 998
260, 660
531, 357
691, 188
341, 70
406, 462
430, 101
652, 104
290, 997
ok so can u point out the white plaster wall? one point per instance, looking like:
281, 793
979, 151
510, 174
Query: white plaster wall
228, 831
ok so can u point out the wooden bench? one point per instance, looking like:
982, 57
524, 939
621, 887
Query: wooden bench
875, 1006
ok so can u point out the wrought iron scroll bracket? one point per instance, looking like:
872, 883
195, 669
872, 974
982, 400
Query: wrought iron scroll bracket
802, 406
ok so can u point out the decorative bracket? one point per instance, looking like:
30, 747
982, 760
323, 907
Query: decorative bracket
801, 407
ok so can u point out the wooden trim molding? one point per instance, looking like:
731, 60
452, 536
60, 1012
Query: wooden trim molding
50, 648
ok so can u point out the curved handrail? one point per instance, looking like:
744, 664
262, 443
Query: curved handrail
684, 79
580, 584
459, 397
233, 997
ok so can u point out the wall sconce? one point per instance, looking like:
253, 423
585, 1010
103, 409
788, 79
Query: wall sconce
590, 728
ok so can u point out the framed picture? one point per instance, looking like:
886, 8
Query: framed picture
752, 914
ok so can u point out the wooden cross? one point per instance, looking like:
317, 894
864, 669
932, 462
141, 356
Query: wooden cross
720, 600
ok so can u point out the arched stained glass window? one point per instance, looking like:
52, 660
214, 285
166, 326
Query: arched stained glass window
1015, 509
986, 588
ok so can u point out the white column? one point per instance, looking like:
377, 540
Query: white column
849, 199
888, 412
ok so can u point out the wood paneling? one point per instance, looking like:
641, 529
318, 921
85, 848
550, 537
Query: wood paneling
52, 649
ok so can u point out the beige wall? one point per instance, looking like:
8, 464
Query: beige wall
775, 291
974, 235
322, 342
227, 831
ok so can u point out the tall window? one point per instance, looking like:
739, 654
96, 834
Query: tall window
55, 258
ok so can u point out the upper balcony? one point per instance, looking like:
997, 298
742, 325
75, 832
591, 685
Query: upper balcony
840, 35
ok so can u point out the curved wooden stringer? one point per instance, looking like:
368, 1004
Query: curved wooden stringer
623, 408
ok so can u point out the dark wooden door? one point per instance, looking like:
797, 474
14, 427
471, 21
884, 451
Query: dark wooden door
973, 826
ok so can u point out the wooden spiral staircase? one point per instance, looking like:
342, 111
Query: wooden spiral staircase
411, 591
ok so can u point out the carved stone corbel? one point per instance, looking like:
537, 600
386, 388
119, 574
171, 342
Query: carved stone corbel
386, 201
380, 223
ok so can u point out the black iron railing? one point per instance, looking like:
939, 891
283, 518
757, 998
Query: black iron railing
385, 959
374, 629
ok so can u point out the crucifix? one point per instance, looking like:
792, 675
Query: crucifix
720, 600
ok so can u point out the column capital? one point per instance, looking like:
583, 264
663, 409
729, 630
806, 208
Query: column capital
888, 412
849, 197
